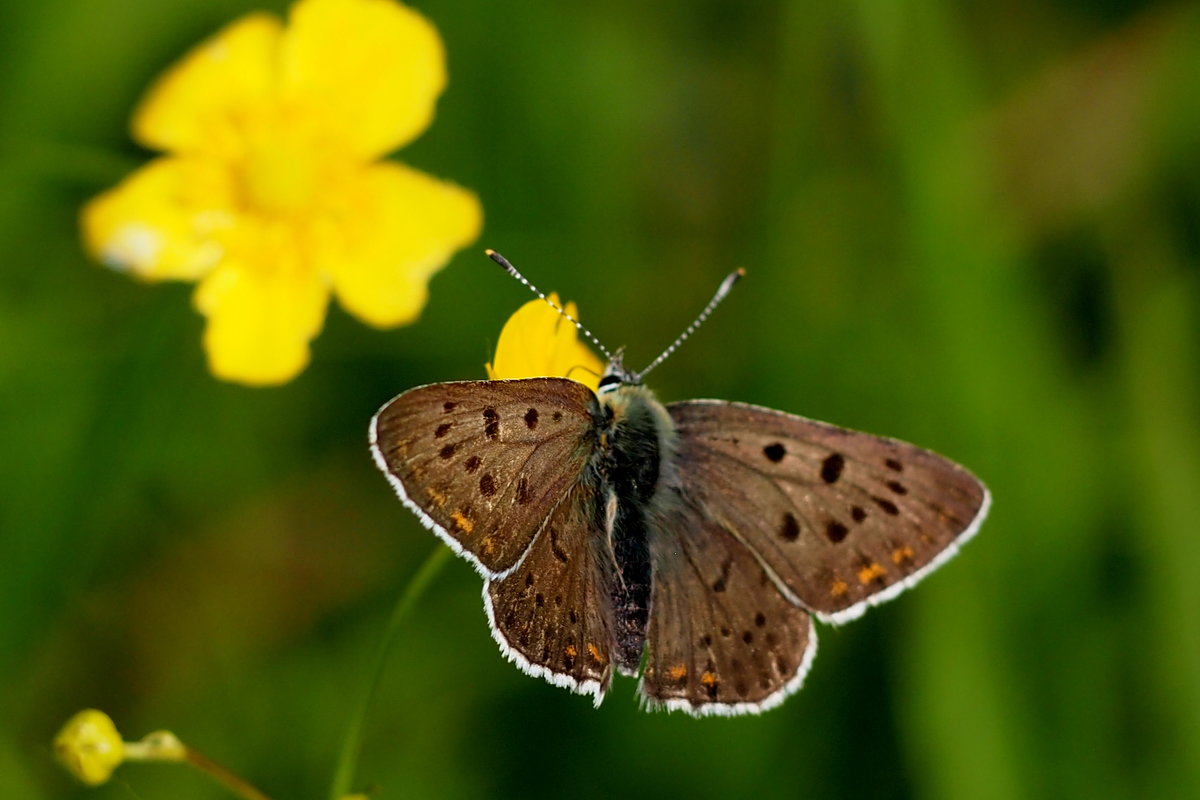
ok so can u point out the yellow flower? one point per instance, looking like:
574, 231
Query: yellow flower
271, 194
90, 747
538, 342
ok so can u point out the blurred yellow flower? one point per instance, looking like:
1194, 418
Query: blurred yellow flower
272, 196
90, 747
538, 342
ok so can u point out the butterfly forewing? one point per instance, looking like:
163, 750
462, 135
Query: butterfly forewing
484, 462
844, 519
722, 638
552, 615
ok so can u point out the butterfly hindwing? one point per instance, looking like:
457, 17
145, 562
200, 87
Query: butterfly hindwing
552, 615
843, 519
483, 462
722, 638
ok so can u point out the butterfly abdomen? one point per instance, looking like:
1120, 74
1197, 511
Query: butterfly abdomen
633, 429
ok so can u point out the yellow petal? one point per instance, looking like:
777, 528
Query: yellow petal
165, 221
538, 342
373, 67
200, 104
394, 228
261, 318
89, 746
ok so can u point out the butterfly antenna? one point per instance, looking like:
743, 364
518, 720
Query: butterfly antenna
511, 270
722, 291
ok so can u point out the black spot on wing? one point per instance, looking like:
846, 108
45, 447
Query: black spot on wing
831, 468
790, 529
887, 505
775, 452
531, 418
491, 423
835, 531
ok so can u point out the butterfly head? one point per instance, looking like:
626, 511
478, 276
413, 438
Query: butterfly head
615, 374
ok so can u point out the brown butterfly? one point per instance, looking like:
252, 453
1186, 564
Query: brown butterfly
702, 536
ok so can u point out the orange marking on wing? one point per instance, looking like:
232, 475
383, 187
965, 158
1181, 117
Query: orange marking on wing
902, 554
838, 588
708, 678
464, 524
571, 651
489, 545
677, 672
437, 497
871, 572
595, 653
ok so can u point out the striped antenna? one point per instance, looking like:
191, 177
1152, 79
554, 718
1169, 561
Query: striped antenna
511, 270
722, 291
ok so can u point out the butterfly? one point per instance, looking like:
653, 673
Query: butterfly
692, 544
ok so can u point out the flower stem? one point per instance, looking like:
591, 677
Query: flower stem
352, 745
219, 773
165, 746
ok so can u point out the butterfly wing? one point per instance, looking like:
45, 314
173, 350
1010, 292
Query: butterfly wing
482, 463
552, 615
843, 519
722, 639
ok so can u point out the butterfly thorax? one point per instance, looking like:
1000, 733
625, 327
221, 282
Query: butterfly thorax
635, 436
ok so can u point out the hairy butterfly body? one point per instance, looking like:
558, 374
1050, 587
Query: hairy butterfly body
693, 541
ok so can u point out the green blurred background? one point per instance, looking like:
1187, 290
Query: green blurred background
972, 225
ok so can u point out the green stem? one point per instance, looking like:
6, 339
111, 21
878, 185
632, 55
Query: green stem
343, 777
235, 783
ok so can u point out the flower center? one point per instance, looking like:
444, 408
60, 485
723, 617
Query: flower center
281, 178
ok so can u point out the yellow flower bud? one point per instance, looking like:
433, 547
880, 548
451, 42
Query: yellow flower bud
157, 746
90, 747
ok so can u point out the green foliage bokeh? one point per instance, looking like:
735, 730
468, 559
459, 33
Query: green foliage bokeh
973, 226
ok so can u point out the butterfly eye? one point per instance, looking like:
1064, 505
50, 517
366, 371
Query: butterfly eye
610, 380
